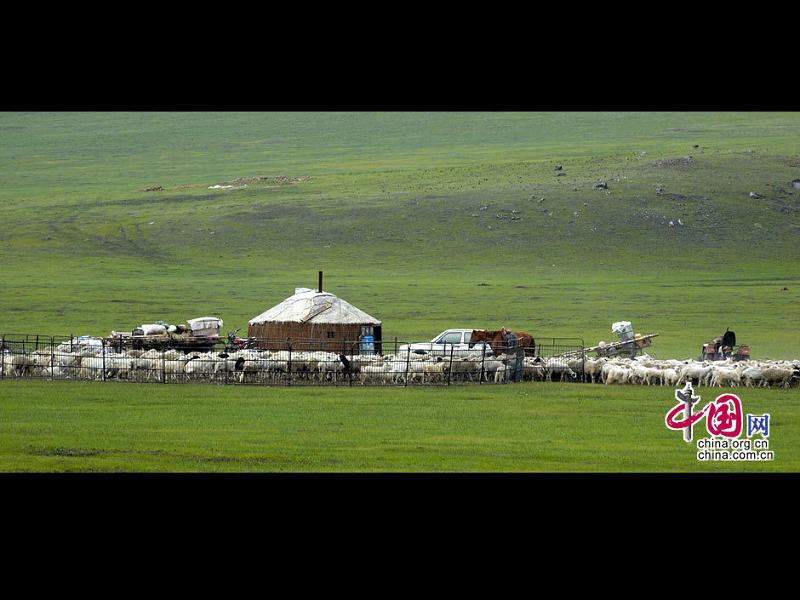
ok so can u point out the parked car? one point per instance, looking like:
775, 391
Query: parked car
455, 340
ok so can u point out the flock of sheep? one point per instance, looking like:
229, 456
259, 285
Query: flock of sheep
644, 370
68, 361
263, 366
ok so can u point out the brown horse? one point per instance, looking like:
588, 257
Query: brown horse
497, 340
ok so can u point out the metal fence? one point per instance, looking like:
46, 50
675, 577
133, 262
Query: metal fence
92, 359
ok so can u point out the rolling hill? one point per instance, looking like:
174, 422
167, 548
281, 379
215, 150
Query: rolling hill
407, 213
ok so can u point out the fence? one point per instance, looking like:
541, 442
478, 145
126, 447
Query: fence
93, 359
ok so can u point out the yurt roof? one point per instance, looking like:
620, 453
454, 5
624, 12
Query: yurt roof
308, 305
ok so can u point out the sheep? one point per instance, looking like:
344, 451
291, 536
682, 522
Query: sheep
727, 376
91, 367
329, 365
607, 368
670, 377
694, 371
615, 374
562, 371
199, 367
251, 367
304, 365
642, 374
534, 371
173, 368
777, 375
117, 365
397, 370
66, 359
381, 374
752, 376
146, 366
593, 368
724, 377
465, 367
434, 371
491, 364
578, 366
556, 367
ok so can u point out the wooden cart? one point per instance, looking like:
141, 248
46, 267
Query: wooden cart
630, 347
164, 341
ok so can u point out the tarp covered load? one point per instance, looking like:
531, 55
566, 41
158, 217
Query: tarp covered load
205, 326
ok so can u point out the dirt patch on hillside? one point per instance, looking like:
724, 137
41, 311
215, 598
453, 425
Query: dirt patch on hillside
273, 180
682, 198
77, 452
674, 163
240, 182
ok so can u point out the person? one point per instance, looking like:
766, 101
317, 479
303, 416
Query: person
345, 364
512, 345
519, 363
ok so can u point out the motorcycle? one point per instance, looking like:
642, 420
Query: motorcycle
236, 343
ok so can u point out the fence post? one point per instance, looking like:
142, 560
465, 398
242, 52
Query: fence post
163, 367
52, 357
2, 357
289, 366
350, 373
36, 349
408, 363
450, 370
483, 363
103, 347
395, 345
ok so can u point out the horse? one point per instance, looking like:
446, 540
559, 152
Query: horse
497, 340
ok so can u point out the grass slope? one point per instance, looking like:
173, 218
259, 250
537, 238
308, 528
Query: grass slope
392, 213
406, 213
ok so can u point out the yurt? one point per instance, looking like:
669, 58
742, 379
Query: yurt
316, 320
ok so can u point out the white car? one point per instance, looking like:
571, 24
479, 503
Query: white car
455, 340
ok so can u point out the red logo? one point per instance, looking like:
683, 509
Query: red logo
723, 416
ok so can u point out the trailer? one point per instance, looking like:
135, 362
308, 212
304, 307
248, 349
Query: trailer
120, 341
201, 335
631, 347
629, 343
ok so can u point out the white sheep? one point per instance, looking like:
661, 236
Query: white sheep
593, 368
615, 374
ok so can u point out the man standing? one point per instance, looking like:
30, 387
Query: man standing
512, 345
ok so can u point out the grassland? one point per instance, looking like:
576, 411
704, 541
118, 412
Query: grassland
85, 427
387, 214
401, 212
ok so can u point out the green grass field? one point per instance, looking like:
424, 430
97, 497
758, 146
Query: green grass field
527, 428
406, 213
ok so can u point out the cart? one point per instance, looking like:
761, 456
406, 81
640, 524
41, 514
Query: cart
201, 335
724, 347
629, 343
179, 341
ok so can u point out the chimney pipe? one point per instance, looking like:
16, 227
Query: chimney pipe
319, 288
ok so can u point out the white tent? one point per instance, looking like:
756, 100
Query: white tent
310, 306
